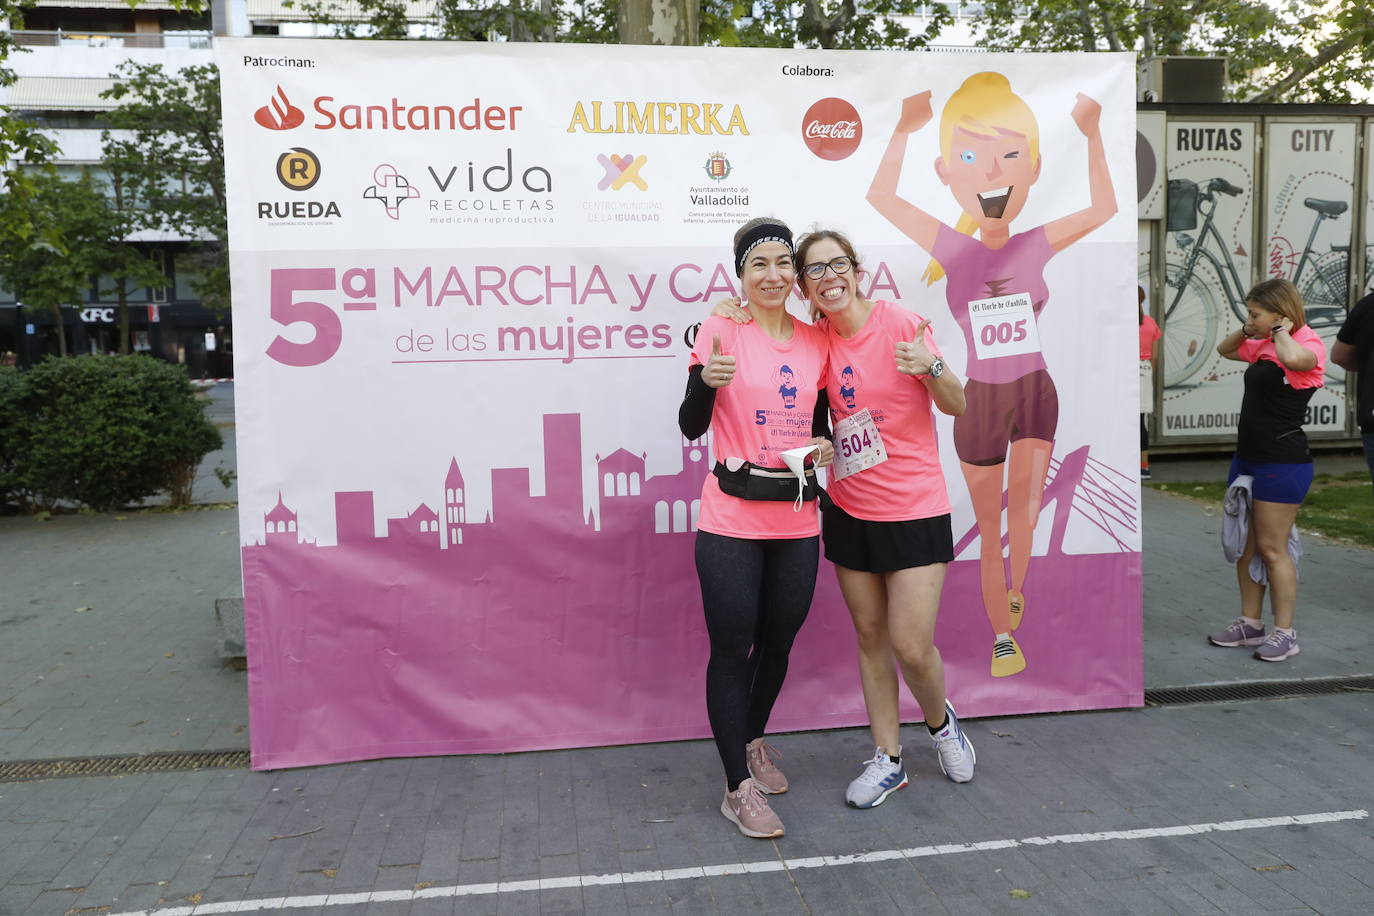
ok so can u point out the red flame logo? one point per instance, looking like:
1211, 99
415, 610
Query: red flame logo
279, 114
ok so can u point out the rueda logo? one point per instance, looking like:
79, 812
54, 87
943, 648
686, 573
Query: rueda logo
391, 189
298, 169
620, 171
279, 113
831, 129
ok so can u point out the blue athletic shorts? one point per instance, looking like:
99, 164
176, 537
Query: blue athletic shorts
1274, 483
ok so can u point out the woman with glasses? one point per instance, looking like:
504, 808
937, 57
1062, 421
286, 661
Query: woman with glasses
756, 387
888, 531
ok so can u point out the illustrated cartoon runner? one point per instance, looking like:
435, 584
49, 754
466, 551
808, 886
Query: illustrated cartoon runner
849, 386
995, 288
787, 386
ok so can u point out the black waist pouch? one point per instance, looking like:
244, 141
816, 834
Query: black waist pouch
771, 484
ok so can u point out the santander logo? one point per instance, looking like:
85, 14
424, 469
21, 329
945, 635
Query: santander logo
279, 113
832, 129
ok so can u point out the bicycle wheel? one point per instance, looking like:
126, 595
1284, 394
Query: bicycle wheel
1190, 327
1324, 297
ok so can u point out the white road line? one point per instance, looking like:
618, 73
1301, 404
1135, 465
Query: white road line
739, 868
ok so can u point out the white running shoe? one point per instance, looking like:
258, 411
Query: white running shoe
880, 778
953, 748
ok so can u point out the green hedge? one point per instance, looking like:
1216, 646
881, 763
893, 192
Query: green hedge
101, 431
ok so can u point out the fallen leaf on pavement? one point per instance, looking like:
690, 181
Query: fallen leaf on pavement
1019, 894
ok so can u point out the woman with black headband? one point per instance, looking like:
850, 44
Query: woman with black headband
758, 534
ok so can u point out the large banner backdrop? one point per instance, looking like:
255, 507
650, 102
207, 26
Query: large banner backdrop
466, 280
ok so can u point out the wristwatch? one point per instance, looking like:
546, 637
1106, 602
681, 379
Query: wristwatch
937, 368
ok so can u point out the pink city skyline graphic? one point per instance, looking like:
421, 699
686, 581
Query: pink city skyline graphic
628, 500
562, 621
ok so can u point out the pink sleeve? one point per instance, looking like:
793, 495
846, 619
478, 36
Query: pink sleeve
1316, 376
709, 328
1249, 349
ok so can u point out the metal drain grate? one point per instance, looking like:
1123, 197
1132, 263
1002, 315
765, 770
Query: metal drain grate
1256, 690
63, 767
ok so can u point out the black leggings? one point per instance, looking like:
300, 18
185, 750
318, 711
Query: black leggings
756, 594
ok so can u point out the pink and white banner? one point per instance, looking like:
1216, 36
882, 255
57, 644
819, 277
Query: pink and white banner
466, 280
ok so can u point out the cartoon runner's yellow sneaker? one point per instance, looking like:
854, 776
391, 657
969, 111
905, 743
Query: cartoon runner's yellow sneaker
1016, 604
1006, 656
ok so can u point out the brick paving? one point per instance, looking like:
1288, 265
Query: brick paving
107, 646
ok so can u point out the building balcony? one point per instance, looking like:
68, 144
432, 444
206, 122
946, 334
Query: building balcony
65, 39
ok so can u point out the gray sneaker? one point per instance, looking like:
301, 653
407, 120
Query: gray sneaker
1239, 633
747, 808
880, 778
954, 749
1278, 646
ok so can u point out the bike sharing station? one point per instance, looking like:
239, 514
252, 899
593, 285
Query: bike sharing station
1231, 194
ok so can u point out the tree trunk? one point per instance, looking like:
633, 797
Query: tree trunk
546, 12
657, 22
1085, 24
61, 330
123, 319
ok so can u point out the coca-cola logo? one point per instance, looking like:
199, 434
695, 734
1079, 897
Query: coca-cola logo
832, 129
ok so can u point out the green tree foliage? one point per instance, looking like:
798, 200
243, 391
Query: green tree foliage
1294, 51
167, 153
20, 140
75, 233
101, 431
816, 24
733, 23
458, 20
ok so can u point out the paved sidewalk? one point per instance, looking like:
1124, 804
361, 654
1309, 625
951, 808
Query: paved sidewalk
107, 647
1237, 809
101, 681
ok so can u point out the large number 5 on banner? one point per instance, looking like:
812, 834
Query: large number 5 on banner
285, 310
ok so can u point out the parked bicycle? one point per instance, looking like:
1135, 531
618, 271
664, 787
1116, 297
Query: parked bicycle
1192, 318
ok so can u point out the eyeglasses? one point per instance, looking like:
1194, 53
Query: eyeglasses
839, 265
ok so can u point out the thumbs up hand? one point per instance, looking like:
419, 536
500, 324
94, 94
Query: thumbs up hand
719, 370
914, 357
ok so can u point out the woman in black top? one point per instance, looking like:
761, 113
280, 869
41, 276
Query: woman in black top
1287, 364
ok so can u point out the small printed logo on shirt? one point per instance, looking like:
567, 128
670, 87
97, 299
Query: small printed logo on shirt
787, 385
849, 386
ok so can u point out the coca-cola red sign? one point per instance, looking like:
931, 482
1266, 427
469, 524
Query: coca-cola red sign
831, 129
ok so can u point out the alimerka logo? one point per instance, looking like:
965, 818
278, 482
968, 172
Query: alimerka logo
279, 113
831, 129
656, 118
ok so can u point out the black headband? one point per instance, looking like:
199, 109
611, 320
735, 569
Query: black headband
763, 232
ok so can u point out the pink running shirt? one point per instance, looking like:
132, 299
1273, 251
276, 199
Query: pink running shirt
765, 410
1255, 350
977, 276
863, 373
1149, 333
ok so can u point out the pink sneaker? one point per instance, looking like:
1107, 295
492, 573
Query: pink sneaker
1239, 633
761, 766
747, 809
1278, 646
